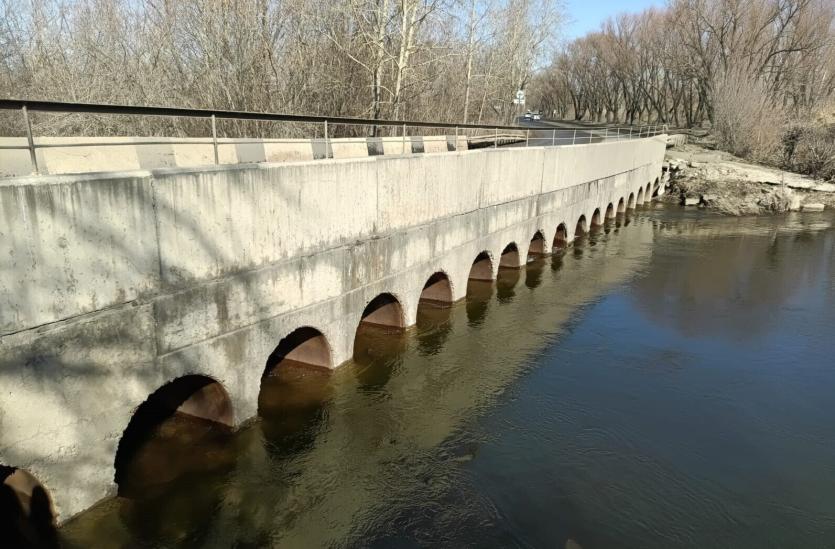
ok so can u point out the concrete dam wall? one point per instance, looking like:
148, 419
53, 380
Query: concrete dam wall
116, 287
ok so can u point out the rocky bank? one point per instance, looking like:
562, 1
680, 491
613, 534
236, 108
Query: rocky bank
698, 176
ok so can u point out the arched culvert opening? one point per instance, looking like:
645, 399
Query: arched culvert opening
610, 211
384, 310
596, 220
510, 257
377, 352
581, 228
479, 288
303, 347
621, 205
537, 247
656, 187
27, 516
561, 237
197, 404
482, 268
437, 291
630, 204
295, 390
640, 199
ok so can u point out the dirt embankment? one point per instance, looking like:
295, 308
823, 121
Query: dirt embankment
718, 180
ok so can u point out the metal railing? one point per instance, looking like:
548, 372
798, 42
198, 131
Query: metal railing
496, 134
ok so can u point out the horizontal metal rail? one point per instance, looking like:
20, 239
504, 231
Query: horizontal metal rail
587, 134
99, 108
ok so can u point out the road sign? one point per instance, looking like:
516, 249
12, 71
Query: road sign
520, 96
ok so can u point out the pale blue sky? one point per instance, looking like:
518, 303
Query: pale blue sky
586, 15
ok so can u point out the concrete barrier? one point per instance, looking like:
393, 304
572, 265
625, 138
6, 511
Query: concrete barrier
71, 155
116, 284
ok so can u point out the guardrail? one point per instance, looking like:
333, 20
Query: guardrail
531, 136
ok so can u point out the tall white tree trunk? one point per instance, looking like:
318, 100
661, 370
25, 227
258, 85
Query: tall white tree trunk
470, 53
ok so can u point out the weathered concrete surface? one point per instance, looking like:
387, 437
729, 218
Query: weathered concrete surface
120, 284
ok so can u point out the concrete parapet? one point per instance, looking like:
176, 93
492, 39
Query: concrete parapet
73, 155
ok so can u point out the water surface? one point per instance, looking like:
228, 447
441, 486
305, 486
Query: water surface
666, 383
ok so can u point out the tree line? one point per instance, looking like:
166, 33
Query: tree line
753, 70
444, 60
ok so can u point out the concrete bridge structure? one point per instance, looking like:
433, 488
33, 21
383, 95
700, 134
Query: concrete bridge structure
128, 296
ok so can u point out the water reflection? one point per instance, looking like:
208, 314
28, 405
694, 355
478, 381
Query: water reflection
580, 245
735, 273
557, 260
433, 327
378, 352
496, 426
533, 272
506, 282
292, 406
479, 295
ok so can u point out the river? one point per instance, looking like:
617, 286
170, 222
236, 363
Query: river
667, 382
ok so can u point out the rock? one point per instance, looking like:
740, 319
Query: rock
794, 203
776, 199
691, 202
816, 207
709, 198
693, 164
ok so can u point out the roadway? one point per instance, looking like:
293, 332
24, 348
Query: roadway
546, 133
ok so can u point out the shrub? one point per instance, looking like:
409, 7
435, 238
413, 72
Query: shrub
747, 123
814, 151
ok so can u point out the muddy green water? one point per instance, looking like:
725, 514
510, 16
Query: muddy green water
669, 382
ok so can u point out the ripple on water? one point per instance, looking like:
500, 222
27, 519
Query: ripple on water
664, 383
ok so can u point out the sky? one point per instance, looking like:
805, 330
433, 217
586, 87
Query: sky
587, 15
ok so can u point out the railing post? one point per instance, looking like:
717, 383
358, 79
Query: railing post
403, 138
553, 138
496, 142
456, 138
327, 142
32, 156
214, 139
527, 137
574, 137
